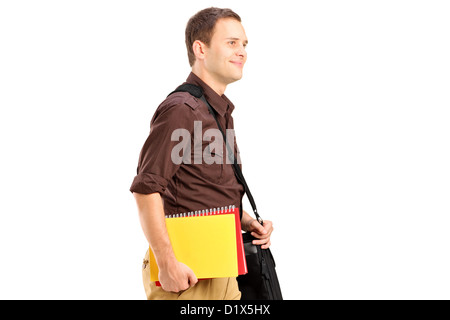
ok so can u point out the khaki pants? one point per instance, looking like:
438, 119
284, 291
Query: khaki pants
209, 289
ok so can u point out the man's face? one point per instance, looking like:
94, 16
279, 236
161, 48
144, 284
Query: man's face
226, 55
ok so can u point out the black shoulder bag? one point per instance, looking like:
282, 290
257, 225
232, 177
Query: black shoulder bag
261, 281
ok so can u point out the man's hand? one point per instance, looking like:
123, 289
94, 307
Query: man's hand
173, 275
260, 232
176, 276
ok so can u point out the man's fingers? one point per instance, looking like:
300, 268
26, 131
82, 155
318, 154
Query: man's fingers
259, 236
192, 279
267, 245
262, 241
262, 233
259, 228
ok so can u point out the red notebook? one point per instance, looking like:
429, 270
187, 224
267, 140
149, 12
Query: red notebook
242, 264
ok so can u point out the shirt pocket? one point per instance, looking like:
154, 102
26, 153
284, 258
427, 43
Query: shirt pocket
212, 166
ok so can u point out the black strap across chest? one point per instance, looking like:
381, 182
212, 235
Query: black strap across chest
197, 92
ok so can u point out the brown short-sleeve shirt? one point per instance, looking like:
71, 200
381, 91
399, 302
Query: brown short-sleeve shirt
192, 184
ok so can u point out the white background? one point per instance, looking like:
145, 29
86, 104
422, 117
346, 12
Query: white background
342, 119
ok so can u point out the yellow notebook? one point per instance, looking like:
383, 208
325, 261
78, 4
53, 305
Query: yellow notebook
205, 243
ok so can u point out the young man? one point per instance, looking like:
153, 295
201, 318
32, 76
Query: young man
216, 42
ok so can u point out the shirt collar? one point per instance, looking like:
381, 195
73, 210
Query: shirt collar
220, 103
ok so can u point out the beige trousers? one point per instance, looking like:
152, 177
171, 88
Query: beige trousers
209, 289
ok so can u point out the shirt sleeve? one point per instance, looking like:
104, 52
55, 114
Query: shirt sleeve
155, 166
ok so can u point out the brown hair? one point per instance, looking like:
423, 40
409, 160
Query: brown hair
201, 27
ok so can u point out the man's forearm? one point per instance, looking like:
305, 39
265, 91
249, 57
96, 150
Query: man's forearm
151, 215
246, 220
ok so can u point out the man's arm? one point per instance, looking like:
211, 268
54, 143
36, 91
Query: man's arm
262, 233
173, 275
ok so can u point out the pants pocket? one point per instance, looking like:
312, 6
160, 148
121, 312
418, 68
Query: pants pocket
146, 274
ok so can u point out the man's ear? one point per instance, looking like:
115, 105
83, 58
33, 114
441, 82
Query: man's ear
199, 49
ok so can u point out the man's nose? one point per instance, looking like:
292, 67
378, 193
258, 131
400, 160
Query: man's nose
241, 51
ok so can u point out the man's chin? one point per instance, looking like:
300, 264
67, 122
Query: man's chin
236, 77
230, 78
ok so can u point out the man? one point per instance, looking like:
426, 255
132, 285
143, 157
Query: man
216, 42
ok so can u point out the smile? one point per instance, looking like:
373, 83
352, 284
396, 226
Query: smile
238, 63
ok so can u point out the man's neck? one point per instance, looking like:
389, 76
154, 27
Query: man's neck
217, 86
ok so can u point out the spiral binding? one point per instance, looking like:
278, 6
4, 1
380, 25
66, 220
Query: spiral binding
203, 212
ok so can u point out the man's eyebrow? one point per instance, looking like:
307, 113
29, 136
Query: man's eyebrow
233, 38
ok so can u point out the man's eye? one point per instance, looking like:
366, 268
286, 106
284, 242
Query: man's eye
232, 43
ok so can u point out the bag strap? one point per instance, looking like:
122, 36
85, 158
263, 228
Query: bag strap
237, 169
197, 92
